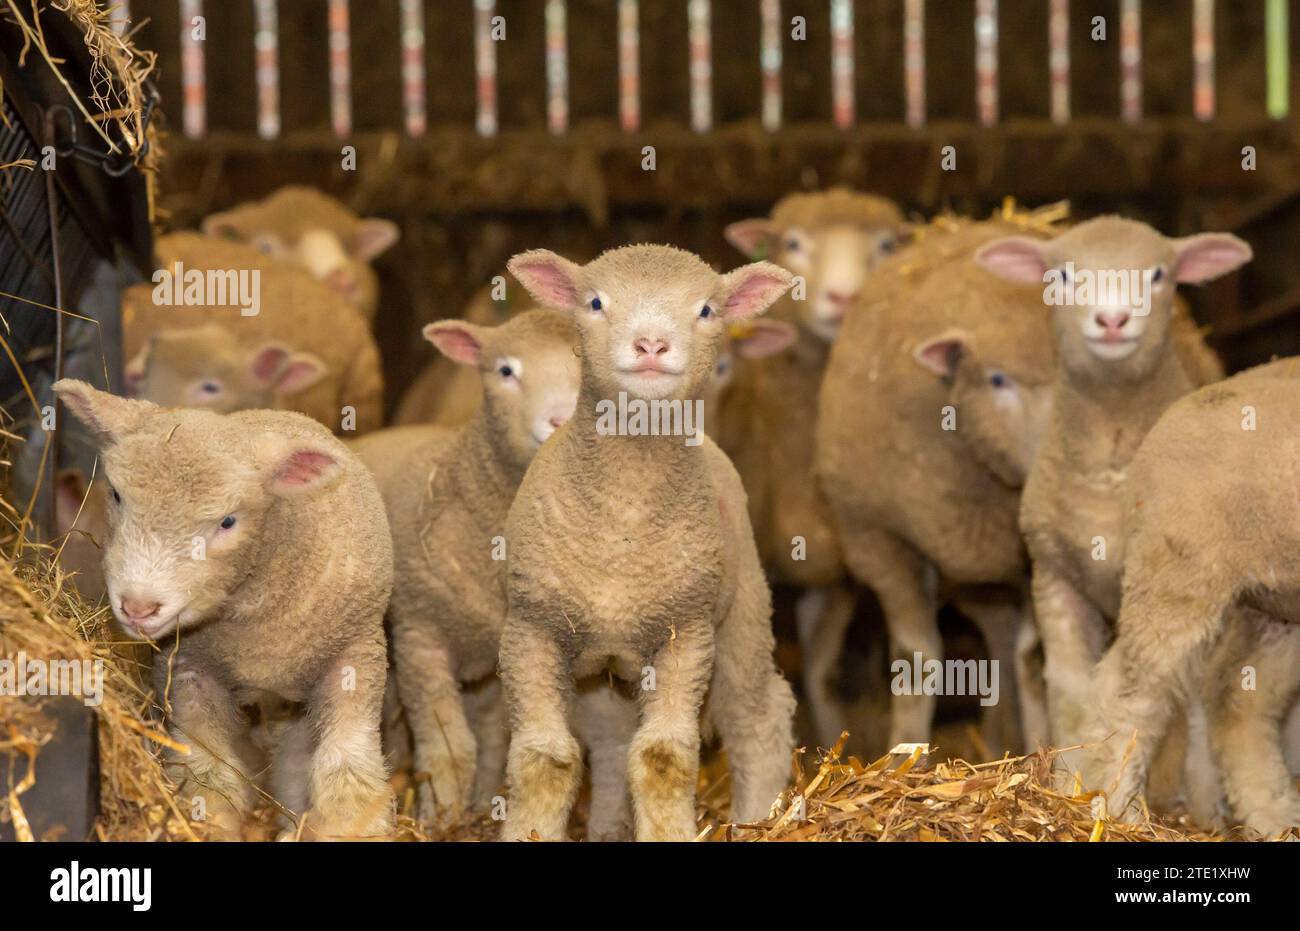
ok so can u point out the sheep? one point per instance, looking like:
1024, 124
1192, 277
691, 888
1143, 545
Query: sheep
447, 492
302, 322
935, 393
252, 548
1119, 369
308, 227
1208, 605
632, 557
832, 239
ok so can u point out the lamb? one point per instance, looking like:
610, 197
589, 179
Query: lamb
833, 239
256, 544
935, 394
447, 492
1119, 371
631, 556
1209, 602
308, 227
305, 323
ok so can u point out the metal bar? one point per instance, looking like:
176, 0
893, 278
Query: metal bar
1203, 59
1058, 29
629, 66
770, 63
1130, 60
557, 68
701, 64
842, 100
193, 79
413, 78
266, 45
986, 61
1279, 62
485, 67
340, 68
914, 61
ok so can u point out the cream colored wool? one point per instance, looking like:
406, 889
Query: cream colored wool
253, 549
921, 456
447, 492
1209, 602
632, 557
1108, 394
309, 228
298, 314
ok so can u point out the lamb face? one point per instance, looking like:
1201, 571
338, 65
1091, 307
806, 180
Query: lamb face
206, 367
1002, 408
651, 318
1111, 285
188, 495
530, 373
832, 239
311, 229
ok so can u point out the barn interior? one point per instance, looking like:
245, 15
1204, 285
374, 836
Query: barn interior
483, 128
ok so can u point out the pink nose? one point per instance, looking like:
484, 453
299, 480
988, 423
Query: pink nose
840, 298
341, 280
557, 421
137, 611
1113, 322
650, 347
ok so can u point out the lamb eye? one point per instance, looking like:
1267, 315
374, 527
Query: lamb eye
228, 521
706, 312
597, 304
888, 245
998, 380
116, 497
210, 387
792, 245
1157, 275
506, 371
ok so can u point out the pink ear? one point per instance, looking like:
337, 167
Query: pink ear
133, 374
373, 238
1014, 258
267, 362
550, 278
752, 237
457, 340
302, 371
303, 468
942, 354
1209, 255
764, 338
752, 288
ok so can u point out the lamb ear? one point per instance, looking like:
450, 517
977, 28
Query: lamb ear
760, 338
268, 362
300, 372
220, 226
752, 288
752, 237
373, 237
942, 354
297, 466
106, 415
1209, 255
133, 374
459, 341
1015, 258
551, 279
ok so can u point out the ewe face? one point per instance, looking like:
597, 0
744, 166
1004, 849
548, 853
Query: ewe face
207, 368
1002, 409
834, 261
1110, 283
651, 318
181, 520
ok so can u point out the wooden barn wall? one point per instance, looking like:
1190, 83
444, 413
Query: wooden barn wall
465, 204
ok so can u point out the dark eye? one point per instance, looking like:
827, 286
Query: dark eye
998, 380
1065, 275
116, 497
706, 312
597, 304
722, 367
228, 521
506, 371
888, 245
792, 245
210, 387
1157, 275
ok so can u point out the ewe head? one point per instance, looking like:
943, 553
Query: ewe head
189, 493
1110, 283
303, 225
530, 371
744, 342
1001, 403
832, 239
652, 319
207, 367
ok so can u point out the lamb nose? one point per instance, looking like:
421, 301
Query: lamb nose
1113, 321
650, 347
558, 421
837, 297
139, 610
